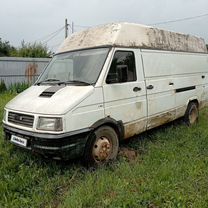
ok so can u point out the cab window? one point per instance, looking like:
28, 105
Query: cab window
122, 68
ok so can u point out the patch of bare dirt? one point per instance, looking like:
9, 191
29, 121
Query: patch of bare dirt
128, 153
151, 205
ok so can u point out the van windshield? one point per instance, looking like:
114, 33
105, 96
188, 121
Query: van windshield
80, 67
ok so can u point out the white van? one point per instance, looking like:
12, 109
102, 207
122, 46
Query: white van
107, 84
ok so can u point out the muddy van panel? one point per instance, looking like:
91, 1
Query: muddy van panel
132, 35
106, 84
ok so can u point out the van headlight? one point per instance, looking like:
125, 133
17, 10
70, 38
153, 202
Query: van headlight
50, 124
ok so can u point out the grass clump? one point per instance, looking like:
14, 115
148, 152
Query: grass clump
2, 86
18, 87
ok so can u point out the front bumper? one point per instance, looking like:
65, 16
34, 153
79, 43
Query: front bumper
59, 146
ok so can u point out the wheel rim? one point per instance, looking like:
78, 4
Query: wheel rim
102, 149
193, 116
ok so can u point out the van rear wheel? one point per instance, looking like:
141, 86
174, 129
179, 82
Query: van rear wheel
192, 114
101, 147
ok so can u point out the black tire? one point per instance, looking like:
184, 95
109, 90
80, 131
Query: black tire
191, 116
102, 147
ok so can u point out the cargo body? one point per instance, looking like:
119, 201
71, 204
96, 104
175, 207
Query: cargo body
107, 84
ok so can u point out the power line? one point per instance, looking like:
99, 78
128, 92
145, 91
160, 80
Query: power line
159, 23
54, 35
56, 45
179, 20
47, 36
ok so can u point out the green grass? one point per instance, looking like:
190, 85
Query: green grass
27, 180
171, 170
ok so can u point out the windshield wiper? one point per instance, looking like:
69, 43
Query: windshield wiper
77, 82
48, 80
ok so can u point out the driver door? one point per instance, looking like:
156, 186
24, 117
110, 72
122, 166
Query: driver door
124, 91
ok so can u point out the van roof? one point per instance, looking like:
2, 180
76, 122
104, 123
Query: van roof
133, 35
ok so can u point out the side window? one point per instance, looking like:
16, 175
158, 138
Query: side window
122, 68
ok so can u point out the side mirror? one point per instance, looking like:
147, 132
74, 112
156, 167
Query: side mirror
121, 75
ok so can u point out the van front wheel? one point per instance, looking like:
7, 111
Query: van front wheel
101, 147
192, 114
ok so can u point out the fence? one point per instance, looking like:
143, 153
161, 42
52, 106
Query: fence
18, 70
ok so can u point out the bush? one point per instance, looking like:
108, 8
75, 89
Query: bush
2, 86
33, 50
18, 87
5, 48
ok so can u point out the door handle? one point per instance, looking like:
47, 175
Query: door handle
171, 83
136, 89
202, 76
150, 87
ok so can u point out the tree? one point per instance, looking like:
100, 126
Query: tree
5, 48
33, 50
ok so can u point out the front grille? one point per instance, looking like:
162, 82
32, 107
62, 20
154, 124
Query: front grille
21, 119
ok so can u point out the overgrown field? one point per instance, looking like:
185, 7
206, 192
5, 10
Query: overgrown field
170, 170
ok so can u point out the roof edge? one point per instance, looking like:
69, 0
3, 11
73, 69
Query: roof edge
133, 35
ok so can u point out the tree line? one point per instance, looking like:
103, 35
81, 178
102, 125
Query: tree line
33, 50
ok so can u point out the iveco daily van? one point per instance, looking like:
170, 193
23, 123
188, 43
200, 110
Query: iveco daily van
106, 84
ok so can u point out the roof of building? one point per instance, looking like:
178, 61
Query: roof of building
133, 35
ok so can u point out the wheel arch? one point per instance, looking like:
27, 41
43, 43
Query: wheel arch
192, 115
108, 121
112, 124
194, 100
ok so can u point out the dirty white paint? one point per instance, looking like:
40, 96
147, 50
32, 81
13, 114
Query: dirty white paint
33, 103
133, 35
167, 81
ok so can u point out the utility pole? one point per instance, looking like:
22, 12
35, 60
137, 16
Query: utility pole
72, 27
66, 28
